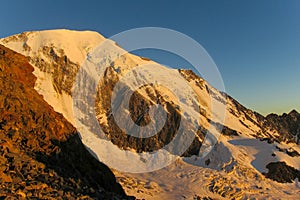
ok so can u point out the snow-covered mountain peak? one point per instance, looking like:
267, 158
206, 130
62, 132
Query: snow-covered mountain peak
56, 56
75, 44
249, 141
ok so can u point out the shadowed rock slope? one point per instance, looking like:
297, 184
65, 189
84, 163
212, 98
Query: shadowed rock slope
41, 154
287, 124
282, 173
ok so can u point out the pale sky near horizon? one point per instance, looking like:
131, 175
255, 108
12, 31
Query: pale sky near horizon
255, 44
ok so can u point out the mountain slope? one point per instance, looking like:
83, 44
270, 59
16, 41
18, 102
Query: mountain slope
250, 141
57, 55
41, 154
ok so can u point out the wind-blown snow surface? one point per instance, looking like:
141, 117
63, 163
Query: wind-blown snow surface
232, 170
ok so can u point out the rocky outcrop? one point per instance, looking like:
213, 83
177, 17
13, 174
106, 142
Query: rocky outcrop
61, 68
281, 172
41, 154
139, 108
288, 125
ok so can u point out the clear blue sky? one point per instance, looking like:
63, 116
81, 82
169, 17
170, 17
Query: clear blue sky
255, 44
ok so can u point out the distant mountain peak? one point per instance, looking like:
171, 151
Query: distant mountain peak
294, 112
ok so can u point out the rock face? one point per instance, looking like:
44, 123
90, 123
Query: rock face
287, 124
139, 108
282, 173
41, 154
